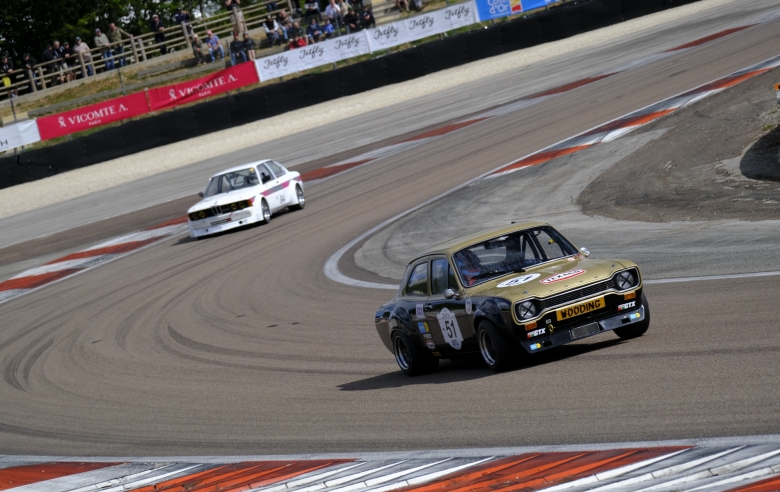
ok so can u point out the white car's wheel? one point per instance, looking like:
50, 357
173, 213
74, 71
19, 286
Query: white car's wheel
265, 212
301, 199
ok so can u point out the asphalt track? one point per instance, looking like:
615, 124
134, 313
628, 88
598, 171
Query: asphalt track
240, 345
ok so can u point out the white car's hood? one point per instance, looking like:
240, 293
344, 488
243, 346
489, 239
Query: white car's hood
226, 198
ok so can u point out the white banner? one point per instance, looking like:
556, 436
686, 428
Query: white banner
18, 134
364, 42
387, 36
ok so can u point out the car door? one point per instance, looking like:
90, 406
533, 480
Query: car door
282, 194
448, 318
413, 298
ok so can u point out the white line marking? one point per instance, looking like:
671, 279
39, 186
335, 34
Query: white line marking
712, 277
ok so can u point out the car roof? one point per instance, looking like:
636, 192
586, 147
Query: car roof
451, 246
241, 167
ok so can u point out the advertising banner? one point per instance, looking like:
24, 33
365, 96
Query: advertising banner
217, 83
387, 36
491, 9
312, 56
460, 15
93, 115
18, 134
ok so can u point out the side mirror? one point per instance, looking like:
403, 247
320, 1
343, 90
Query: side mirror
451, 294
200, 194
585, 251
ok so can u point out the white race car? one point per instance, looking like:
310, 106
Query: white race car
244, 195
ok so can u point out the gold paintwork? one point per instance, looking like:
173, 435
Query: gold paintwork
595, 271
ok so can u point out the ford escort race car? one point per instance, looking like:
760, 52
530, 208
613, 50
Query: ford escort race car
244, 195
506, 294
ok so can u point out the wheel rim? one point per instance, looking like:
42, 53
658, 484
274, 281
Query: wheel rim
301, 199
486, 348
266, 212
401, 354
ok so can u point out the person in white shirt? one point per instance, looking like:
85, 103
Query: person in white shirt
333, 12
271, 28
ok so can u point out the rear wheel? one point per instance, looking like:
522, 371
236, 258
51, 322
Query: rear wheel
498, 353
637, 329
410, 358
301, 199
265, 212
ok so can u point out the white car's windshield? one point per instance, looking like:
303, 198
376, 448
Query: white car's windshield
231, 181
512, 252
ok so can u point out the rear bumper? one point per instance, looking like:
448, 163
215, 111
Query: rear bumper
587, 329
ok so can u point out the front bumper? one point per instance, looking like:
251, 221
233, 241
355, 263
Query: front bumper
221, 223
585, 330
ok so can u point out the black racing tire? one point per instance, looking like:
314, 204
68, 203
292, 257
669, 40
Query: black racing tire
498, 352
637, 329
265, 212
301, 199
412, 360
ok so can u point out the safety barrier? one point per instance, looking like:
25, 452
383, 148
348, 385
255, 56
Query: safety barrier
264, 102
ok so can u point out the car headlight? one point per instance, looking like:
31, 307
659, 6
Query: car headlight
526, 310
626, 280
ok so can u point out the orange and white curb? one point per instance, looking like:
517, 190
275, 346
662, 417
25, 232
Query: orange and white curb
84, 260
734, 468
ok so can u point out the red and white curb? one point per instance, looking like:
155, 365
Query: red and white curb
84, 260
743, 468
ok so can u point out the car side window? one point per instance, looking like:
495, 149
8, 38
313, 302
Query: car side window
265, 173
442, 276
418, 281
275, 168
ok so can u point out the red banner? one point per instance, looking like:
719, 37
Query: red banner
193, 90
93, 115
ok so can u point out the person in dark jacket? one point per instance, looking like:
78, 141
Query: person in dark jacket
352, 22
236, 50
28, 66
249, 46
158, 28
6, 71
367, 17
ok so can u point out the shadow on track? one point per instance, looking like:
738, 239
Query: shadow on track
761, 161
470, 369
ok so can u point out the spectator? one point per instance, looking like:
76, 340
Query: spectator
314, 32
68, 60
312, 10
236, 50
297, 41
197, 50
212, 40
296, 29
83, 48
271, 6
271, 28
101, 41
344, 8
183, 17
236, 16
328, 30
6, 71
158, 28
399, 3
352, 22
249, 45
357, 5
367, 18
285, 23
418, 5
333, 12
28, 67
115, 38
48, 58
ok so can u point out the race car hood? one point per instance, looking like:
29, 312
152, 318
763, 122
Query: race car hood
226, 198
550, 278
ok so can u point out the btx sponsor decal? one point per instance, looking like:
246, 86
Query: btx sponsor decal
627, 305
536, 333
581, 308
562, 276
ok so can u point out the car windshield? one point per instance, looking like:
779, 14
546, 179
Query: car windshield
234, 180
510, 253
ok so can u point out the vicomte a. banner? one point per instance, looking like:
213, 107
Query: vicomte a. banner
18, 134
492, 9
217, 83
93, 115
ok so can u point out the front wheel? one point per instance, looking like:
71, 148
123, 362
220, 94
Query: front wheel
410, 358
637, 329
265, 212
301, 199
498, 353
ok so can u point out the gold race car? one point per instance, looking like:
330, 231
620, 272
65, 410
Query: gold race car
508, 293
